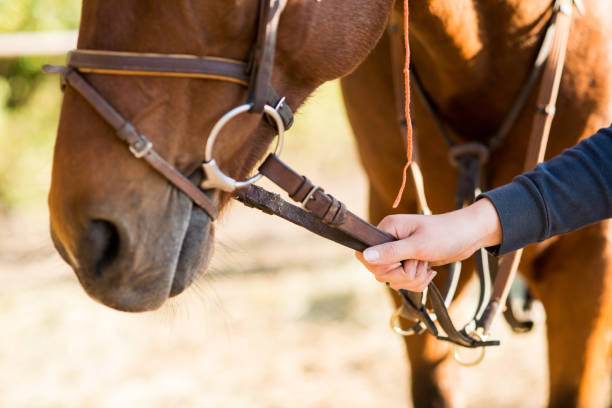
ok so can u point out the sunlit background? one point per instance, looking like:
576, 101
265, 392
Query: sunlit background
283, 319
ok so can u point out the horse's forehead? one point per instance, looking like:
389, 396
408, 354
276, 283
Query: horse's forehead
204, 27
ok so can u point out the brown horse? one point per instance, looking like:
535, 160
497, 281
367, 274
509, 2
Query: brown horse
133, 240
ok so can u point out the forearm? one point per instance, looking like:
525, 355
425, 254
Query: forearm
566, 193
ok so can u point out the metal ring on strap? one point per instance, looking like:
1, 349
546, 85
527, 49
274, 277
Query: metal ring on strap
397, 328
215, 178
478, 334
472, 148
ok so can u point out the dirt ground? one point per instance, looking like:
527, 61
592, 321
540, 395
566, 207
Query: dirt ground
282, 319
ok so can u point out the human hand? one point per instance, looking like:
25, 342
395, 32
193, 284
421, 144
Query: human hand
430, 239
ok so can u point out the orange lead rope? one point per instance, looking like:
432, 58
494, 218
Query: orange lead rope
407, 108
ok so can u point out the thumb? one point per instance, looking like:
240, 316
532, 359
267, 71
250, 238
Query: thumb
388, 253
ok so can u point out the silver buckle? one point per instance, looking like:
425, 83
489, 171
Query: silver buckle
280, 104
146, 148
309, 197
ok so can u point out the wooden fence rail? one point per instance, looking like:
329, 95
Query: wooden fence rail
42, 43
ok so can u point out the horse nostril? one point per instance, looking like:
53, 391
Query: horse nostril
103, 245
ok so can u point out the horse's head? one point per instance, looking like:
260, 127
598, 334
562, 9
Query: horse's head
132, 238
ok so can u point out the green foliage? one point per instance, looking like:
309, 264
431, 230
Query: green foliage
26, 143
23, 75
29, 104
38, 15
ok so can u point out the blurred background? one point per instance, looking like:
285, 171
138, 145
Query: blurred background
281, 319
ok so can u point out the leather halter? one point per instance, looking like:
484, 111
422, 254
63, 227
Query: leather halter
319, 212
254, 74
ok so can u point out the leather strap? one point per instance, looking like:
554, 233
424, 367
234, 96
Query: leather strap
468, 158
175, 66
178, 66
518, 105
273, 204
323, 206
139, 145
545, 110
262, 61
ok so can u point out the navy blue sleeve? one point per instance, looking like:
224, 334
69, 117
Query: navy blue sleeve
561, 195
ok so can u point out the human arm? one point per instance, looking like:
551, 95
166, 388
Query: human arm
561, 195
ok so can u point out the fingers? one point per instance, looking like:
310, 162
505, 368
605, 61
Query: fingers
377, 269
388, 253
403, 227
411, 275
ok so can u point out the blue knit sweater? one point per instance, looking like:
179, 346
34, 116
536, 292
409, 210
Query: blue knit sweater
561, 195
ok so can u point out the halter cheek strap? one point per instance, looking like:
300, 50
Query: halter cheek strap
139, 145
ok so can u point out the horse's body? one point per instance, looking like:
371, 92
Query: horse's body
134, 241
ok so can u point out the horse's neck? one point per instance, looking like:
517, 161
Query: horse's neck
475, 49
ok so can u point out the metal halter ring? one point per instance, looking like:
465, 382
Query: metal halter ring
478, 334
215, 178
417, 328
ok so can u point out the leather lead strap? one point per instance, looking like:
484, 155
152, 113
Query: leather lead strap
323, 206
273, 204
325, 216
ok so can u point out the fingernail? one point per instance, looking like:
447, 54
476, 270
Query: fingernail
432, 274
371, 255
